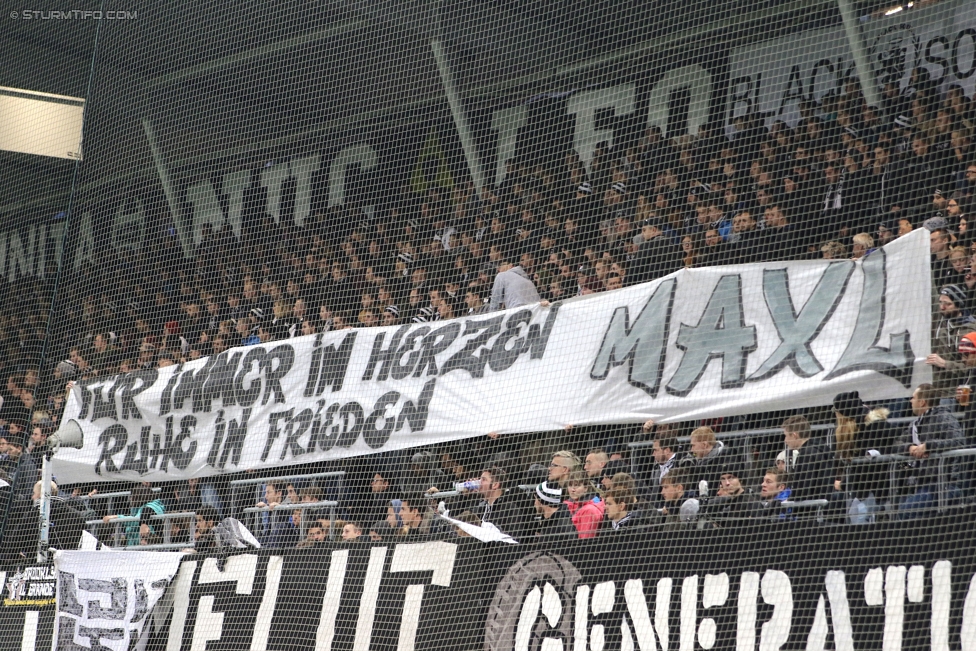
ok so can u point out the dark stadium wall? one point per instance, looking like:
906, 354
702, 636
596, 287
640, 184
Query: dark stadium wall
799, 587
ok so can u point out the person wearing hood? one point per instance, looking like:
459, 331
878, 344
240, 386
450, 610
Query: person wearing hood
935, 429
955, 320
704, 462
810, 463
512, 287
861, 432
585, 506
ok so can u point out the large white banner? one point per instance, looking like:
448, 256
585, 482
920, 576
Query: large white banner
105, 599
772, 77
697, 344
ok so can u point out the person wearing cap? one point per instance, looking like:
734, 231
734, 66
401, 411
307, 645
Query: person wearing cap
955, 320
733, 503
553, 523
512, 287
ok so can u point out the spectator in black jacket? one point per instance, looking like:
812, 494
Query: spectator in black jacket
812, 466
733, 502
678, 506
935, 429
205, 539
553, 523
508, 510
704, 462
656, 256
621, 510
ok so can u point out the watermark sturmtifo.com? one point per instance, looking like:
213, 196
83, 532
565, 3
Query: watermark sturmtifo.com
72, 14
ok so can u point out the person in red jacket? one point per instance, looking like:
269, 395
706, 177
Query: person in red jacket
584, 504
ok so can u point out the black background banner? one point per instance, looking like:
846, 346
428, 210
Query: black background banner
756, 586
896, 580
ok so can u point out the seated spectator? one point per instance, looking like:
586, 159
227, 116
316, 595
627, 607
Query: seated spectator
148, 535
773, 491
810, 463
141, 500
562, 465
553, 523
380, 531
704, 462
935, 429
315, 535
677, 506
732, 502
507, 509
351, 531
406, 518
622, 511
596, 460
585, 506
205, 538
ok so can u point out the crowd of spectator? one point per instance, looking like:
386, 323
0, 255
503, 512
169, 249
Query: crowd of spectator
846, 178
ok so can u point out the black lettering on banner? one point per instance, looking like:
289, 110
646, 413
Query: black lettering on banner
68, 595
133, 384
86, 396
415, 416
335, 362
135, 453
315, 364
940, 61
956, 70
179, 456
468, 358
112, 440
118, 597
537, 339
220, 427
382, 358
220, 381
284, 355
349, 423
323, 434
295, 430
863, 352
794, 89
741, 97
796, 332
102, 408
191, 386
247, 397
433, 344
721, 332
273, 431
641, 344
822, 63
501, 357
377, 437
166, 399
234, 440
411, 349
